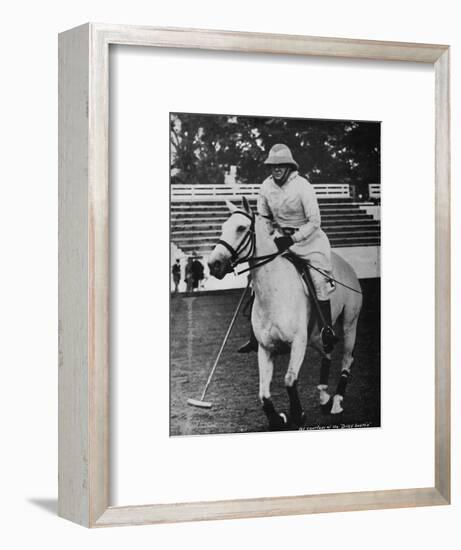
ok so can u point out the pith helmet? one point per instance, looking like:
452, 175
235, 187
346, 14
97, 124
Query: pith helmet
281, 154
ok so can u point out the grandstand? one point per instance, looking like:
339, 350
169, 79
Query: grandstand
198, 212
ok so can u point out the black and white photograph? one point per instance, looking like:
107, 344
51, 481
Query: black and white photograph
275, 274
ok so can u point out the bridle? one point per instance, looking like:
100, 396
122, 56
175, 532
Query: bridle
248, 242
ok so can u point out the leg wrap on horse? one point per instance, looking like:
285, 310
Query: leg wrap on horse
329, 337
276, 421
340, 390
268, 407
325, 371
296, 409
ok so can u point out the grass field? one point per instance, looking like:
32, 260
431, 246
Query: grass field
198, 325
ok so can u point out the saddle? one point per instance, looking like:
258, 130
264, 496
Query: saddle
302, 266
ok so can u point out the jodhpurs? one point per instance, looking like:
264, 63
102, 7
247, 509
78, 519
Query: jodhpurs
322, 286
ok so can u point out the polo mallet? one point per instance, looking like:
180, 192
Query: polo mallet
207, 404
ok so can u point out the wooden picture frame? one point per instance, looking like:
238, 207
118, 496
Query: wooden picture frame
84, 484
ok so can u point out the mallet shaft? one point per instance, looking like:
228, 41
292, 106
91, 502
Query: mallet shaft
239, 305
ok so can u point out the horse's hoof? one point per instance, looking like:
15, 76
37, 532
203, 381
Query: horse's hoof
337, 408
298, 421
302, 421
279, 423
324, 398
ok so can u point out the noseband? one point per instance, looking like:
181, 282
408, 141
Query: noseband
247, 240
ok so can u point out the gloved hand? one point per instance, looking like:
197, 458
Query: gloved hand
283, 243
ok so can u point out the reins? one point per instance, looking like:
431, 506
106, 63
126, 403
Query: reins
329, 279
250, 238
264, 260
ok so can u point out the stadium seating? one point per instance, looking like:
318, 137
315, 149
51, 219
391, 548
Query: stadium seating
196, 225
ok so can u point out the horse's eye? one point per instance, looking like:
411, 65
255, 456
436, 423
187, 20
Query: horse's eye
240, 228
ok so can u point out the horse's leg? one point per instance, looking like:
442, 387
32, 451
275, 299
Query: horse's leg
350, 331
298, 350
324, 396
266, 368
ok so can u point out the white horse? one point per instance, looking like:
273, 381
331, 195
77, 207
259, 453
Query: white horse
282, 310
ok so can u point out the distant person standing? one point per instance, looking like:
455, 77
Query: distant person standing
197, 273
176, 272
189, 276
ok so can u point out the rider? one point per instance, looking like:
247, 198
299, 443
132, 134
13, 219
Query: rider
289, 204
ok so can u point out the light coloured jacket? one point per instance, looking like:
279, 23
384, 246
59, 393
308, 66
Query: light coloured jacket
294, 205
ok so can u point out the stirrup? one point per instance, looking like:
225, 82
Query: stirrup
329, 338
251, 345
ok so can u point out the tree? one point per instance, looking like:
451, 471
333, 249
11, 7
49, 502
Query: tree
203, 147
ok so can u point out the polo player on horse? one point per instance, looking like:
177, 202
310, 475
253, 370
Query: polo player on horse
289, 205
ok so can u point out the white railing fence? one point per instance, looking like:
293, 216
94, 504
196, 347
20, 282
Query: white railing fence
332, 190
374, 190
181, 193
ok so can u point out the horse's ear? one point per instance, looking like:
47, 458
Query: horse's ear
246, 206
231, 206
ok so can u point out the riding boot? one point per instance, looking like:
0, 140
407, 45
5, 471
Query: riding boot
327, 333
251, 345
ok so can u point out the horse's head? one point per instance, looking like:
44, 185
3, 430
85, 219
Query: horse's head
236, 241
